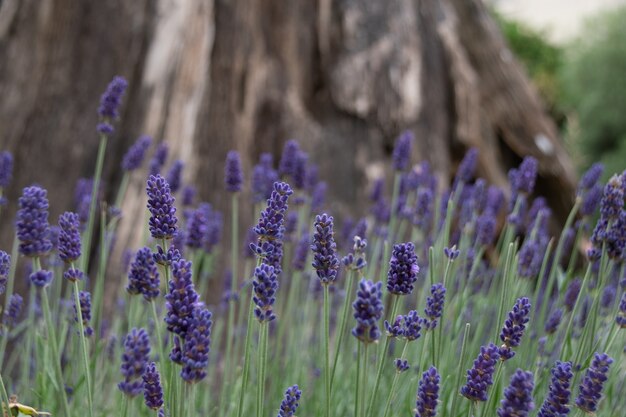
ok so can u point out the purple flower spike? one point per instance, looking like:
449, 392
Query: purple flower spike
133, 158
571, 294
553, 321
403, 269
41, 278
465, 173
428, 393
105, 128
181, 299
451, 253
5, 266
524, 177
556, 403
318, 197
325, 261
152, 391
300, 171
434, 304
401, 365
84, 299
368, 309
591, 177
514, 326
263, 178
73, 275
69, 237
620, 319
289, 405
188, 195
197, 346
518, 396
613, 199
158, 159
590, 389
13, 311
264, 286
134, 361
143, 277
233, 174
163, 219
288, 160
174, 176
197, 227
6, 168
300, 253
480, 376
32, 222
402, 151
112, 98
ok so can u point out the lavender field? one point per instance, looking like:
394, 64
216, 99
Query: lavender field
441, 300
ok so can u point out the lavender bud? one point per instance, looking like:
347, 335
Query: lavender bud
73, 275
553, 321
556, 403
591, 200
428, 393
181, 299
300, 253
289, 405
174, 176
480, 376
197, 227
6, 168
368, 309
41, 278
264, 285
13, 311
613, 199
466, 169
403, 269
571, 294
136, 153
84, 299
518, 396
233, 174
111, 99
188, 195
288, 160
263, 178
32, 222
152, 391
514, 326
590, 389
526, 174
197, 346
143, 277
158, 159
69, 237
299, 173
163, 219
451, 253
401, 365
434, 304
5, 266
402, 151
620, 319
591, 177
134, 361
325, 261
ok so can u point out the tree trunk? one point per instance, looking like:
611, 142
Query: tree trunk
343, 76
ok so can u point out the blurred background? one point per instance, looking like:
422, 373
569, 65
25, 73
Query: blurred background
344, 77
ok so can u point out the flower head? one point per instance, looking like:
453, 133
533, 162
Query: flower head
402, 151
5, 266
368, 309
85, 309
174, 175
134, 361
263, 178
428, 393
553, 321
325, 260
197, 227
134, 156
523, 178
143, 277
434, 304
163, 219
620, 319
289, 405
196, 349
13, 310
69, 237
158, 159
233, 174
518, 396
403, 269
181, 299
32, 222
288, 160
41, 278
480, 376
556, 403
264, 286
6, 168
401, 365
112, 98
590, 389
514, 326
152, 391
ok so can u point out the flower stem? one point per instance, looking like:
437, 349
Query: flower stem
459, 372
394, 382
246, 360
83, 342
357, 392
327, 349
262, 362
342, 326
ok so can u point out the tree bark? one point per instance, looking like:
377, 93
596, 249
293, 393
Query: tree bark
206, 76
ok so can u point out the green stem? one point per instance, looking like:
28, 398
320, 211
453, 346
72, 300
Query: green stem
25, 377
327, 349
568, 329
262, 362
394, 382
459, 371
342, 326
159, 341
83, 342
364, 382
9, 292
5, 397
92, 205
357, 393
246, 360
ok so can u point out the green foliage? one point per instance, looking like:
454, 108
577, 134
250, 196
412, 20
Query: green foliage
594, 85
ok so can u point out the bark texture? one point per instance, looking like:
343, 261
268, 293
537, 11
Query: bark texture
343, 76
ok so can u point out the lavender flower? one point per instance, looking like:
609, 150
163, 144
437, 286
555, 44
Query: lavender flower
451, 253
486, 228
84, 299
591, 200
166, 259
136, 153
590, 389
270, 228
73, 275
466, 169
423, 208
434, 305
163, 219
402, 151
197, 227
553, 321
523, 179
518, 396
143, 277
571, 294
5, 266
480, 376
403, 269
428, 393
41, 278
32, 222
401, 365
514, 326
591, 177
264, 286
613, 199
158, 159
188, 195
233, 174
263, 178
197, 346
368, 309
112, 98
301, 251
6, 168
325, 261
408, 326
13, 311
152, 391
214, 228
105, 128
608, 297
288, 160
174, 176
620, 319
289, 405
134, 361
69, 237
556, 403
318, 197
181, 299
356, 259
300, 170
